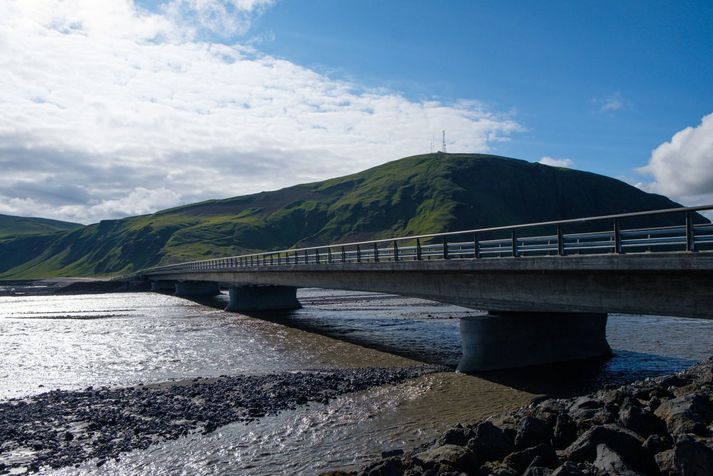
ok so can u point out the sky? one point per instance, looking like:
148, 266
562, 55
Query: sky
111, 108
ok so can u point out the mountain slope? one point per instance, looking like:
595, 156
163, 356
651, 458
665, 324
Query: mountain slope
414, 195
17, 226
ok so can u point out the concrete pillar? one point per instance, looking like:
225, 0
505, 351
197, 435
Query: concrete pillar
197, 289
163, 285
501, 340
263, 298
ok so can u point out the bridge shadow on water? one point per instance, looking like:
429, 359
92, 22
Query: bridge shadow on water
437, 341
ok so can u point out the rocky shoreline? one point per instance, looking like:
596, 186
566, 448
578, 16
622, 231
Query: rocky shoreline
63, 428
656, 426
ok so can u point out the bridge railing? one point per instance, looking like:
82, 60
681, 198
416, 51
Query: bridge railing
604, 235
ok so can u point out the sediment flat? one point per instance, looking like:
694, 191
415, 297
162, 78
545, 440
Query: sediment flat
63, 428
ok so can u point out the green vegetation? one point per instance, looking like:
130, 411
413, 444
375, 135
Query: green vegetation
414, 195
11, 226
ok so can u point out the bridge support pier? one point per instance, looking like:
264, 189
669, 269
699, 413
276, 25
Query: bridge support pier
163, 285
501, 340
263, 298
196, 289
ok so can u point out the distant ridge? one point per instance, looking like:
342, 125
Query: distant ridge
16, 226
414, 195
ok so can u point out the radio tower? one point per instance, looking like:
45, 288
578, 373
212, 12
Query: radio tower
444, 142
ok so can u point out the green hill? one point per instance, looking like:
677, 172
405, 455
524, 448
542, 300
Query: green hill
18, 226
414, 195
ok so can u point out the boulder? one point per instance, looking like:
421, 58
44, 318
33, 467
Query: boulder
496, 469
537, 471
686, 414
584, 408
665, 463
565, 431
532, 431
625, 442
389, 467
568, 468
608, 461
489, 442
692, 457
454, 436
641, 421
520, 460
451, 456
657, 443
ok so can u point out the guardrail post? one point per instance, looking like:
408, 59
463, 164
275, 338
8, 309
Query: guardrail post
560, 241
316, 255
513, 239
617, 237
306, 257
376, 253
690, 233
396, 251
418, 249
358, 254
476, 246
344, 255
445, 247
329, 255
271, 260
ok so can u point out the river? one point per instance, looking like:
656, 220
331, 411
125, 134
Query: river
71, 342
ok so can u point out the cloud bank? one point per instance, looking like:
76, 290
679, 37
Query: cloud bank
683, 167
110, 110
546, 160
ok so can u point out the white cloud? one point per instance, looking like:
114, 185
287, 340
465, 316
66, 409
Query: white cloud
103, 101
551, 161
223, 17
683, 167
611, 103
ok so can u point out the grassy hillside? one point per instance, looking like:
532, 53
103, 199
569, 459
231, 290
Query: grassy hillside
18, 226
414, 195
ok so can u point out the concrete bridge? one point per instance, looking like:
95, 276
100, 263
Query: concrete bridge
546, 287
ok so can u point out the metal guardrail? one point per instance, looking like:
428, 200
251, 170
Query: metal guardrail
486, 243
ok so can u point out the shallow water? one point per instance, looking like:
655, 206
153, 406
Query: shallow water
123, 339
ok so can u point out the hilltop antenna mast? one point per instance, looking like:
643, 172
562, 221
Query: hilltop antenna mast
444, 142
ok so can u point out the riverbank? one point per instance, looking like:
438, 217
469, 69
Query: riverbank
662, 425
68, 286
63, 428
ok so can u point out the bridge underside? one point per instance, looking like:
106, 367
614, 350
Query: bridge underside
551, 309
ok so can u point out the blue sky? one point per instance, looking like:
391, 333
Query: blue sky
556, 65
127, 107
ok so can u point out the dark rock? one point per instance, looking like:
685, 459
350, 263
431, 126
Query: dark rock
656, 444
665, 463
568, 468
686, 414
625, 442
496, 469
452, 456
692, 458
392, 453
565, 431
489, 442
454, 436
608, 461
531, 432
641, 421
584, 408
537, 471
390, 467
674, 381
520, 460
